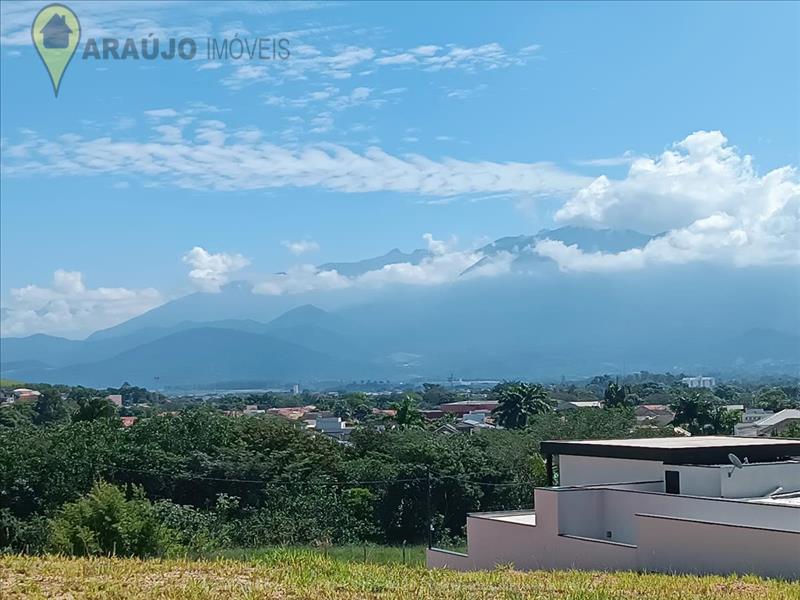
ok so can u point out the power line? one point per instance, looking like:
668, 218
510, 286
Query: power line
263, 481
193, 476
489, 483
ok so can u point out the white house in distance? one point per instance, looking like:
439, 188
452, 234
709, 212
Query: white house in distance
699, 382
711, 504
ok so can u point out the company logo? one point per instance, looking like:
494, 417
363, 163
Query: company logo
56, 32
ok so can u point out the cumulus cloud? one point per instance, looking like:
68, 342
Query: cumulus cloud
211, 271
69, 307
704, 195
300, 246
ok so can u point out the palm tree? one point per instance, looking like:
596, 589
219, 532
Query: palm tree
517, 402
692, 411
615, 396
407, 413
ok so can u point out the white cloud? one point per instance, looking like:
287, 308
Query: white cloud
302, 278
160, 113
300, 246
208, 158
532, 49
69, 307
340, 63
428, 50
163, 19
478, 58
397, 59
708, 199
211, 271
332, 99
444, 264
463, 94
625, 158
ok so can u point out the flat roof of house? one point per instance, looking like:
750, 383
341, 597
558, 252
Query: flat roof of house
710, 449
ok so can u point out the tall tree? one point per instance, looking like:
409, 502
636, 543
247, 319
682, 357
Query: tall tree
691, 411
517, 402
774, 399
408, 415
50, 407
616, 396
91, 409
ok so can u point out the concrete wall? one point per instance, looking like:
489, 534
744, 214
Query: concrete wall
590, 470
571, 524
668, 545
698, 480
755, 479
580, 512
620, 507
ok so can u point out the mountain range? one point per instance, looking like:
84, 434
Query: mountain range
532, 322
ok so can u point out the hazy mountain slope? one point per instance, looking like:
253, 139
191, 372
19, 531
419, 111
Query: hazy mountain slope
237, 301
208, 355
307, 315
48, 349
58, 352
394, 256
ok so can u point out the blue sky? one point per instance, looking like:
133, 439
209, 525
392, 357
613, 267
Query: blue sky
388, 121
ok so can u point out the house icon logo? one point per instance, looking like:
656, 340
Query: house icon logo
56, 32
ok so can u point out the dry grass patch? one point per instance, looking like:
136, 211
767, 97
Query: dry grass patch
291, 574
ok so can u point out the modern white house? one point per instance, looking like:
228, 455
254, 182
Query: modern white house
712, 504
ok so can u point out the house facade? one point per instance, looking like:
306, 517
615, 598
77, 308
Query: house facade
699, 382
691, 505
770, 424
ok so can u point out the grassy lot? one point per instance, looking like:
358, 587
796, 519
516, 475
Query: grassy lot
299, 574
382, 555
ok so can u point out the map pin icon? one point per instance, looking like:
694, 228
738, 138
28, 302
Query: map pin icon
56, 32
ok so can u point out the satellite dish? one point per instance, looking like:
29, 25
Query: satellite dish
737, 464
735, 461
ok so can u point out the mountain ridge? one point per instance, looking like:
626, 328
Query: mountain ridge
535, 321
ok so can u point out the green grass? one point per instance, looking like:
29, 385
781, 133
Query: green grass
307, 574
382, 555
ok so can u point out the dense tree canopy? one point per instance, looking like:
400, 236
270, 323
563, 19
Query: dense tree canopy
212, 481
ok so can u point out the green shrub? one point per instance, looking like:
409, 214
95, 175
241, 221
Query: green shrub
23, 535
106, 522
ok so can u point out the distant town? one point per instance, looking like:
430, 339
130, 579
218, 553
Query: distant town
455, 407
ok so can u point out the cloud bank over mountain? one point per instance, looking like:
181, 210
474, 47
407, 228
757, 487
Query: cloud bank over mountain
701, 201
